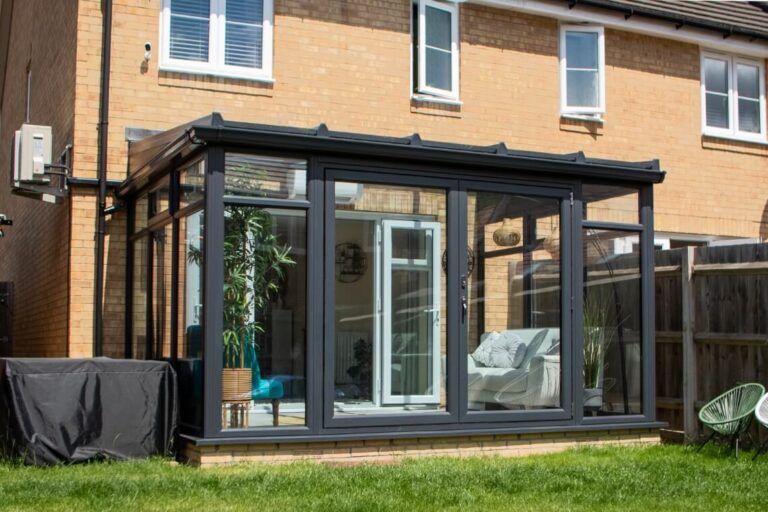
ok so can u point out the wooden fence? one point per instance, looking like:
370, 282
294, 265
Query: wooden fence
711, 327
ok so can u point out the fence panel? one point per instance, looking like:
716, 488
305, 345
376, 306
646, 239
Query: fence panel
728, 303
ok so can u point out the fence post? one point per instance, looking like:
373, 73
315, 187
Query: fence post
690, 420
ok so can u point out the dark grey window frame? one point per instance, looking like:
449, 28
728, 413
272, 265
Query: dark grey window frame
366, 158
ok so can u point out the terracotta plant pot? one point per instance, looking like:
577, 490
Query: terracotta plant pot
236, 384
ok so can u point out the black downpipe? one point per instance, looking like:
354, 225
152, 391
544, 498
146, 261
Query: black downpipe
98, 289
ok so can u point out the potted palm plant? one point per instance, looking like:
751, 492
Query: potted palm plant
597, 338
255, 262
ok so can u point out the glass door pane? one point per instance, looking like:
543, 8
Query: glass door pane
514, 297
389, 335
411, 312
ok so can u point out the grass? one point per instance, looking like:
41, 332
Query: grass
622, 478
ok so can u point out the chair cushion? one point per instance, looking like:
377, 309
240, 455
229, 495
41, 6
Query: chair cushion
500, 350
482, 354
535, 347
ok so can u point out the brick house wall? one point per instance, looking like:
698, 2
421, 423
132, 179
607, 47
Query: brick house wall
35, 254
347, 64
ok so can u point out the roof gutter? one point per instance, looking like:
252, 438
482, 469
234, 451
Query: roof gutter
98, 288
680, 20
613, 17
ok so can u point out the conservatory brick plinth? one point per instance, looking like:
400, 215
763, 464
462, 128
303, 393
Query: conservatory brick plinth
393, 450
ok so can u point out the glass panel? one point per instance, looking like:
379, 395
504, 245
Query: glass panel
244, 33
717, 110
438, 29
189, 29
189, 365
412, 355
390, 332
716, 75
612, 319
410, 244
192, 184
610, 203
438, 69
161, 292
264, 338
139, 300
140, 213
160, 198
749, 116
245, 11
190, 290
748, 81
581, 50
514, 295
582, 88
265, 176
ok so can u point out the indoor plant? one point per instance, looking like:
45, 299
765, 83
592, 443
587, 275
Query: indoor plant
255, 262
597, 338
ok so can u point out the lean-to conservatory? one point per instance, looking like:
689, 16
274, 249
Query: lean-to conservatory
310, 285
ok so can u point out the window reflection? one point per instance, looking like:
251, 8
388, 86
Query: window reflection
264, 338
612, 318
390, 339
514, 302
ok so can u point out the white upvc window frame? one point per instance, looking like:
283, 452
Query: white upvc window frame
733, 132
216, 46
421, 79
565, 109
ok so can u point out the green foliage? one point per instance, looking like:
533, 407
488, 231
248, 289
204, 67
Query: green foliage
606, 479
598, 336
255, 263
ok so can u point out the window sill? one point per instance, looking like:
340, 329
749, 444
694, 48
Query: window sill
424, 98
216, 74
736, 138
589, 118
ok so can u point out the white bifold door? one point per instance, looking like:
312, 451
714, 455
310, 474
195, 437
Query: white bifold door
410, 312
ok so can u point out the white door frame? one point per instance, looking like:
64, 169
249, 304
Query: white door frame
433, 266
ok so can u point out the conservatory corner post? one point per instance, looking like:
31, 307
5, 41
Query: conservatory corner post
577, 307
648, 309
213, 261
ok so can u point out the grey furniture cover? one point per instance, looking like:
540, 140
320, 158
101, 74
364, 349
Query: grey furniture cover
73, 410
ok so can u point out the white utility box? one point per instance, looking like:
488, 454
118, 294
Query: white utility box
31, 153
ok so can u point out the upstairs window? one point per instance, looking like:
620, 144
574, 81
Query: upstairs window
733, 97
436, 40
219, 37
582, 70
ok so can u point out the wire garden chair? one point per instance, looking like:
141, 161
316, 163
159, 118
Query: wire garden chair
729, 415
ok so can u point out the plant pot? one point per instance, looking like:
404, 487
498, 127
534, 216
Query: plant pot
593, 398
236, 384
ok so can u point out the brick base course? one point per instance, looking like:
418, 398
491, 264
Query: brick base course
394, 450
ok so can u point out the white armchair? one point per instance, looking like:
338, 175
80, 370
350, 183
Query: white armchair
534, 384
542, 387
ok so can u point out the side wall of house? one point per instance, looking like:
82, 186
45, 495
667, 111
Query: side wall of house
347, 64
34, 253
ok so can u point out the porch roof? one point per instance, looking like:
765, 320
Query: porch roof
153, 155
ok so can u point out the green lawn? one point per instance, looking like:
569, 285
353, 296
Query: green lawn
623, 478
